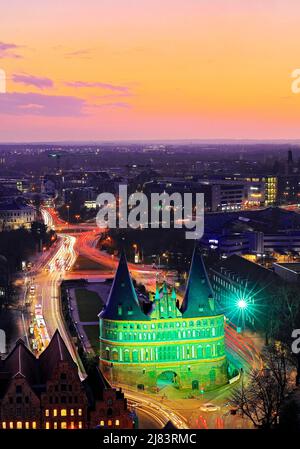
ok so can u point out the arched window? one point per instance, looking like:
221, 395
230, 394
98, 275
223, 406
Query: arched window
135, 356
126, 355
107, 353
160, 353
115, 355
208, 351
199, 352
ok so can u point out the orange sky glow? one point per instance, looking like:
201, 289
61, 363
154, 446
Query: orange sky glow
149, 69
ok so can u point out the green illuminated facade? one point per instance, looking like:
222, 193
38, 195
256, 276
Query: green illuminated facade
183, 346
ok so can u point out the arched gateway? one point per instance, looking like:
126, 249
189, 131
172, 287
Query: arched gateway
167, 378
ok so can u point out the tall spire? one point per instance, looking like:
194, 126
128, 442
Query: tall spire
198, 300
165, 289
157, 293
173, 295
123, 303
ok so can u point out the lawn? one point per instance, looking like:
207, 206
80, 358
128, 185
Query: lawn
84, 264
92, 333
89, 304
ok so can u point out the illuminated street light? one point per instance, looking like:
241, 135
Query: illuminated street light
242, 304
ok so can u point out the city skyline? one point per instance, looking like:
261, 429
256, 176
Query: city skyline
178, 337
137, 72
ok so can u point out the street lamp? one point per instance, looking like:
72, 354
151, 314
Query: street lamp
68, 209
242, 304
136, 258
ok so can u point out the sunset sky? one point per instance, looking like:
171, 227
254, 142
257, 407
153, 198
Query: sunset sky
149, 69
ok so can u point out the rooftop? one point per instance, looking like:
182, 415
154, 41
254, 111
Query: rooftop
291, 266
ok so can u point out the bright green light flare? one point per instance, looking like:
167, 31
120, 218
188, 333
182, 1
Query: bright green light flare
242, 304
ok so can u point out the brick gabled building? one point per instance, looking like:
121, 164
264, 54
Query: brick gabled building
47, 393
63, 399
19, 390
107, 403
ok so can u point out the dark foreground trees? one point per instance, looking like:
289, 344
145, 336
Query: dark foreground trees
263, 391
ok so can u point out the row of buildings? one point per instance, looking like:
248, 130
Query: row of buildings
48, 393
259, 233
222, 194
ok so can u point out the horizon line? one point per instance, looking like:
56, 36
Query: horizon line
153, 140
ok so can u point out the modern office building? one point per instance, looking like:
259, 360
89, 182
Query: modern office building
262, 188
226, 196
14, 215
244, 290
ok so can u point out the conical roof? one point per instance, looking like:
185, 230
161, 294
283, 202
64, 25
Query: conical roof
198, 300
123, 303
21, 361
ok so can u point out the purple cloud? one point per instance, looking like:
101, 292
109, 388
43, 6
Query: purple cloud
40, 104
8, 50
107, 86
31, 80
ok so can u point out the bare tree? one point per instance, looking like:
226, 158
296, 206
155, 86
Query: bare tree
262, 392
283, 313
